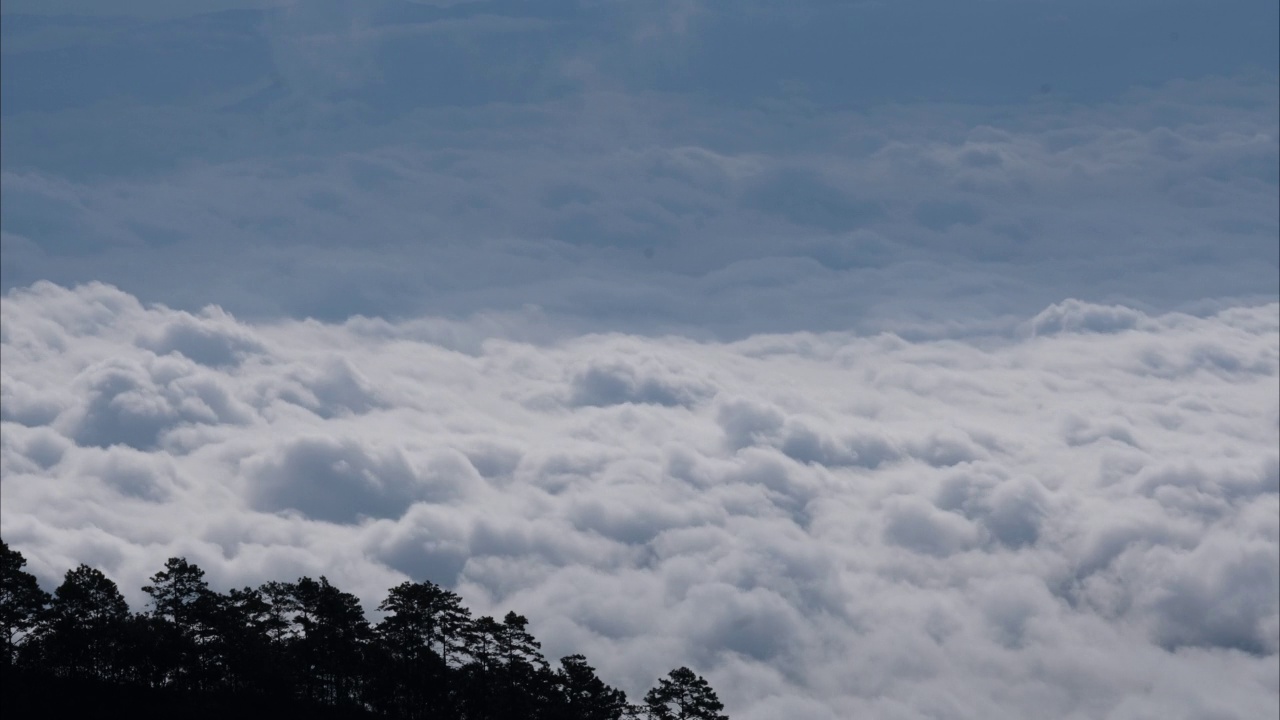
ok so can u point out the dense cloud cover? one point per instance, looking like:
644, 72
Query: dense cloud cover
711, 169
1078, 519
877, 359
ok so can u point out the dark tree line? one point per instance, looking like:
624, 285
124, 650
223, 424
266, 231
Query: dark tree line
302, 646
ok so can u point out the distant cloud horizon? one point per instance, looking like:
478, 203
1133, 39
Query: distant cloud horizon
402, 159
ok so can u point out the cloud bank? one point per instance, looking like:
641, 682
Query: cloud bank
1078, 518
669, 167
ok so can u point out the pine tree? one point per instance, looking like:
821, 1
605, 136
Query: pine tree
185, 610
180, 595
583, 696
682, 695
22, 602
86, 619
524, 681
426, 628
331, 649
424, 616
241, 647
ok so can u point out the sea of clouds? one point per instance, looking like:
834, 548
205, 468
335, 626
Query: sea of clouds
892, 360
1075, 519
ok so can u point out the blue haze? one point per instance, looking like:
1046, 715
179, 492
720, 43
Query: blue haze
698, 167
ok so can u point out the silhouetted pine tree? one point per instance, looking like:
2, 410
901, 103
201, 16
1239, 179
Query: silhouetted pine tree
475, 680
240, 642
85, 627
22, 602
583, 696
682, 695
184, 610
425, 629
523, 682
331, 651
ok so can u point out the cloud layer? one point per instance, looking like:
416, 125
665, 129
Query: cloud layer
1076, 519
650, 167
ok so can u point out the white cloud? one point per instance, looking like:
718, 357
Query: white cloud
1077, 521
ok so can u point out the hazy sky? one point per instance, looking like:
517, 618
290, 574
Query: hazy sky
892, 359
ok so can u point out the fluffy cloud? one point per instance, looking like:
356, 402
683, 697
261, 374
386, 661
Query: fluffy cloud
1076, 518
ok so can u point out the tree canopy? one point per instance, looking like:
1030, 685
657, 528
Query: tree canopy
21, 600
301, 647
682, 695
